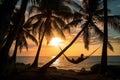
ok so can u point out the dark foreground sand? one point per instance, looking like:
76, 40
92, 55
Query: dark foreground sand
33, 74
59, 74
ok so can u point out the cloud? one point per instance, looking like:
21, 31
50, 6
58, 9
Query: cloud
114, 37
118, 5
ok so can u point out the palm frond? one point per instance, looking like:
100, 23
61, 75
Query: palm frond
92, 5
35, 2
86, 37
98, 31
33, 8
37, 16
26, 44
22, 43
75, 5
41, 30
48, 30
85, 5
28, 35
64, 15
110, 46
51, 4
36, 27
73, 24
114, 22
64, 11
77, 16
59, 21
99, 11
32, 19
58, 30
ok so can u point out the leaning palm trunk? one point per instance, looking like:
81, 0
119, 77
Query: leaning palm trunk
45, 67
105, 41
35, 63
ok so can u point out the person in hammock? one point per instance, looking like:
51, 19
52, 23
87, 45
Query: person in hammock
78, 60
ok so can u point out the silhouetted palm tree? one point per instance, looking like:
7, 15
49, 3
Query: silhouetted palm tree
109, 21
21, 36
99, 14
48, 24
6, 8
91, 12
4, 57
105, 40
10, 5
21, 41
44, 68
54, 12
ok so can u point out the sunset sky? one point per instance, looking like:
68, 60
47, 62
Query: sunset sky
78, 47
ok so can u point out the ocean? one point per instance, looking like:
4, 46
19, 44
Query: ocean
62, 63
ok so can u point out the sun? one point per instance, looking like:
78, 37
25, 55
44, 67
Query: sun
55, 41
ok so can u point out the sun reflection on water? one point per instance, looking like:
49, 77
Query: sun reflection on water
57, 62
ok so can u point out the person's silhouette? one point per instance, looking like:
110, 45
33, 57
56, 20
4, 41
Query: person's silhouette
79, 58
82, 56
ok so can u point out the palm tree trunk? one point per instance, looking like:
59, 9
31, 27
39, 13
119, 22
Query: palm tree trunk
6, 8
35, 63
105, 41
45, 67
5, 49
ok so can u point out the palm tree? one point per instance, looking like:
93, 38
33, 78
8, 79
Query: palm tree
4, 57
105, 40
6, 8
113, 22
22, 42
35, 63
97, 16
6, 44
21, 36
48, 23
53, 16
44, 68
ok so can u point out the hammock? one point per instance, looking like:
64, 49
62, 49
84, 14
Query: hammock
79, 59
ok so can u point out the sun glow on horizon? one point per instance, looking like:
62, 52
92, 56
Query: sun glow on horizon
55, 41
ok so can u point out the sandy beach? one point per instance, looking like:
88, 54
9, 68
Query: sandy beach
59, 74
